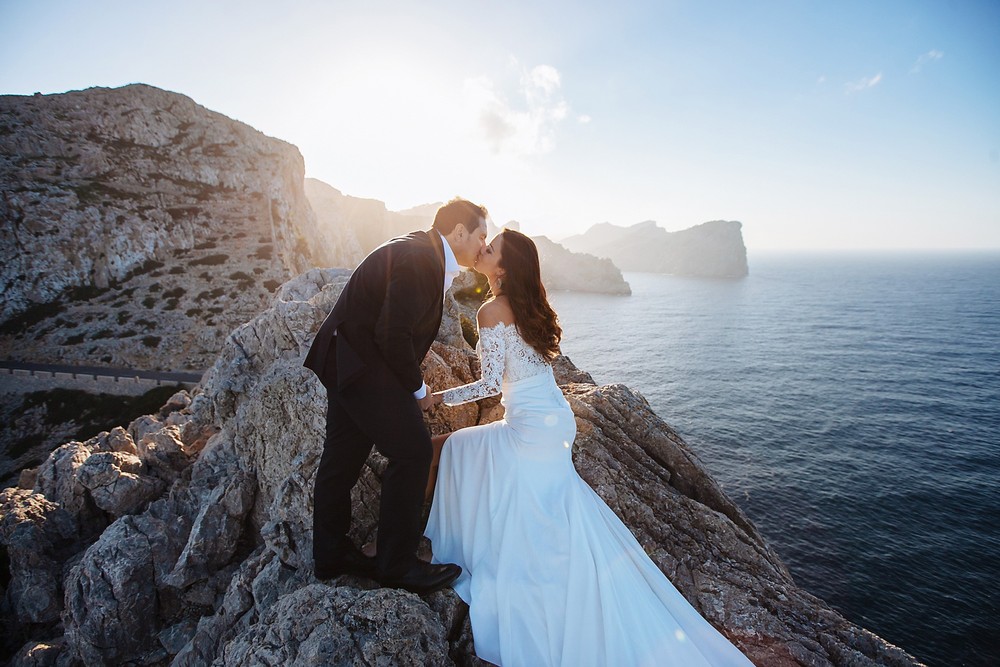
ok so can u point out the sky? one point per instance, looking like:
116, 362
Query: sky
818, 125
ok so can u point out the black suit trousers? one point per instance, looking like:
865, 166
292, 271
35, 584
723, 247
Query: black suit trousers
374, 410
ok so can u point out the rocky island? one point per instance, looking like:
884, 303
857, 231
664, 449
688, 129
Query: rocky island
709, 250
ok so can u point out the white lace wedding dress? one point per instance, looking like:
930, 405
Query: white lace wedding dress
550, 573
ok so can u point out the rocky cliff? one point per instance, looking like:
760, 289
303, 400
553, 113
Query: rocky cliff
355, 226
185, 537
578, 272
138, 228
711, 249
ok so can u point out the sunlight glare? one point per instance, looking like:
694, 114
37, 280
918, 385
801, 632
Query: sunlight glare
408, 132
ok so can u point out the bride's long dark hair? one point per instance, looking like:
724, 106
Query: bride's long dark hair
522, 284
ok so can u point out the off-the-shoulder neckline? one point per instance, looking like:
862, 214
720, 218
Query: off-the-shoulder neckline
499, 325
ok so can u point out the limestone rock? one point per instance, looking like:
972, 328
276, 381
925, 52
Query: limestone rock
282, 331
567, 373
119, 440
35, 533
320, 625
315, 285
450, 332
216, 531
26, 478
164, 452
177, 636
563, 269
138, 228
111, 596
143, 426
355, 226
175, 403
112, 602
50, 653
116, 482
445, 367
72, 497
56, 479
234, 615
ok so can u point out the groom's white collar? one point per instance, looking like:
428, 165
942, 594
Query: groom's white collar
451, 266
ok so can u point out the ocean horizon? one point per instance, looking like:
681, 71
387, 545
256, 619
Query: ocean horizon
850, 404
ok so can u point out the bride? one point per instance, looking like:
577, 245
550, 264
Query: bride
551, 575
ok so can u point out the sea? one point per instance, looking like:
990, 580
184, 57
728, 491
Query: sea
849, 403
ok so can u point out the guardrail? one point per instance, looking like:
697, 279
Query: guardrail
68, 372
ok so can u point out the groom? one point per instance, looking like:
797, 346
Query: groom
368, 354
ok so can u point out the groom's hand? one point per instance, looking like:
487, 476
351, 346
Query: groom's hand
428, 401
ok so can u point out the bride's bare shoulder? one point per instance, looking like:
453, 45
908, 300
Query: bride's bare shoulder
495, 311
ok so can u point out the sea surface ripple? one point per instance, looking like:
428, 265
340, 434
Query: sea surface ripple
850, 404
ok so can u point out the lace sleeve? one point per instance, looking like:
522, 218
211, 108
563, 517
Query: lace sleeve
491, 355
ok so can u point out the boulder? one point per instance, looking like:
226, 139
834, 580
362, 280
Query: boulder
113, 594
116, 482
320, 625
36, 534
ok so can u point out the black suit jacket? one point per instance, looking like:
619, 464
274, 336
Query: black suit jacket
389, 313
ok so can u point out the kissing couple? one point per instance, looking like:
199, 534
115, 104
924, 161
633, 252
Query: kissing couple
550, 573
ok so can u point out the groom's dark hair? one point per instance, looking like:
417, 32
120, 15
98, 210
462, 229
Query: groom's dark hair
459, 212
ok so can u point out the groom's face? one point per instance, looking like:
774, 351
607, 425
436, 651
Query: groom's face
470, 245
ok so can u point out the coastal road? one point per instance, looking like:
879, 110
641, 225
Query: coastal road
182, 377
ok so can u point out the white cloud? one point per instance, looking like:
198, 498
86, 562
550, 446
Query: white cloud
544, 77
524, 126
864, 83
930, 56
583, 119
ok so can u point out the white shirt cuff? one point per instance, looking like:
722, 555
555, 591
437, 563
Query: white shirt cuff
420, 393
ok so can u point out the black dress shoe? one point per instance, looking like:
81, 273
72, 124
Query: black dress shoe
424, 578
349, 561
